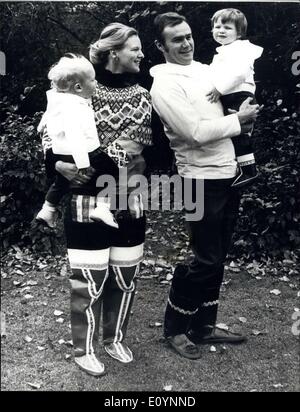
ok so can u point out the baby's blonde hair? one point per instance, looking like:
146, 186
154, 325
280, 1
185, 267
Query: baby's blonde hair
69, 70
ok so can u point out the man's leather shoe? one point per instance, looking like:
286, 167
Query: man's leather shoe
184, 346
216, 335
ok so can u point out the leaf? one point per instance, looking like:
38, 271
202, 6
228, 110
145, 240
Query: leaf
16, 282
34, 385
58, 312
168, 388
169, 277
212, 349
40, 348
222, 326
284, 279
256, 332
275, 292
19, 272
277, 385
28, 339
32, 283
242, 319
28, 296
157, 324
61, 341
64, 270
60, 320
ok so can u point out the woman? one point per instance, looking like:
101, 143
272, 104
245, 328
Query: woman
104, 260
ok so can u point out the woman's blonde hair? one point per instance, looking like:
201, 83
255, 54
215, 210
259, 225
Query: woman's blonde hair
70, 69
112, 37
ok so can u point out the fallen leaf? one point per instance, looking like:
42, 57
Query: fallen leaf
64, 270
256, 332
242, 319
69, 343
60, 320
275, 292
162, 263
58, 312
67, 356
169, 277
157, 324
222, 326
32, 283
278, 385
19, 272
61, 341
28, 339
16, 282
284, 279
28, 296
212, 349
168, 388
34, 385
40, 348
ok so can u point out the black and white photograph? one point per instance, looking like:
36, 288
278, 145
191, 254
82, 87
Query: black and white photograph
150, 199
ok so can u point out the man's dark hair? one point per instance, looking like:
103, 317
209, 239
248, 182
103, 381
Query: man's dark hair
166, 19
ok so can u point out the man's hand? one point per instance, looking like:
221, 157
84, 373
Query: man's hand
71, 173
247, 112
213, 95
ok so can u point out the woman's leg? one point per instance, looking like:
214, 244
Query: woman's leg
89, 274
118, 295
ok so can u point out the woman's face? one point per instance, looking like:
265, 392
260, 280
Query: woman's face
130, 56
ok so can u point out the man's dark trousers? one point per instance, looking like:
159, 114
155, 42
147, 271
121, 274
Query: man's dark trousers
194, 293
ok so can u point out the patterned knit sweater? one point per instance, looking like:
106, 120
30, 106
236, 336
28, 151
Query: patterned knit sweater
122, 114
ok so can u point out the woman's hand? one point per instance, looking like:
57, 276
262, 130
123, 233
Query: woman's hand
71, 173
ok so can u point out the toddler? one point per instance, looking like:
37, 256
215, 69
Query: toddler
71, 127
232, 76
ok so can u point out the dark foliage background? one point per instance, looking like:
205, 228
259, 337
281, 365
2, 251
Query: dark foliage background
36, 34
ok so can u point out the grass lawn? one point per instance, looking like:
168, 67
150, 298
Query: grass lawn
36, 354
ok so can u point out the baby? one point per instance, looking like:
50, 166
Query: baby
233, 79
71, 127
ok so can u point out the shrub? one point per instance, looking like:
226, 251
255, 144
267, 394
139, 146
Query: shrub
22, 178
270, 210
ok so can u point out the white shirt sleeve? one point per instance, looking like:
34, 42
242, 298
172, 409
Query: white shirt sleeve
74, 121
171, 103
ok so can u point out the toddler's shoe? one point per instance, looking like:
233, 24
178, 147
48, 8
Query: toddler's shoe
90, 364
48, 215
102, 214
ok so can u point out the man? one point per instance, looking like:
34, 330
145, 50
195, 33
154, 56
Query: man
199, 134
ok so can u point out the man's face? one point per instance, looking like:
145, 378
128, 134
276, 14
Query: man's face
178, 46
